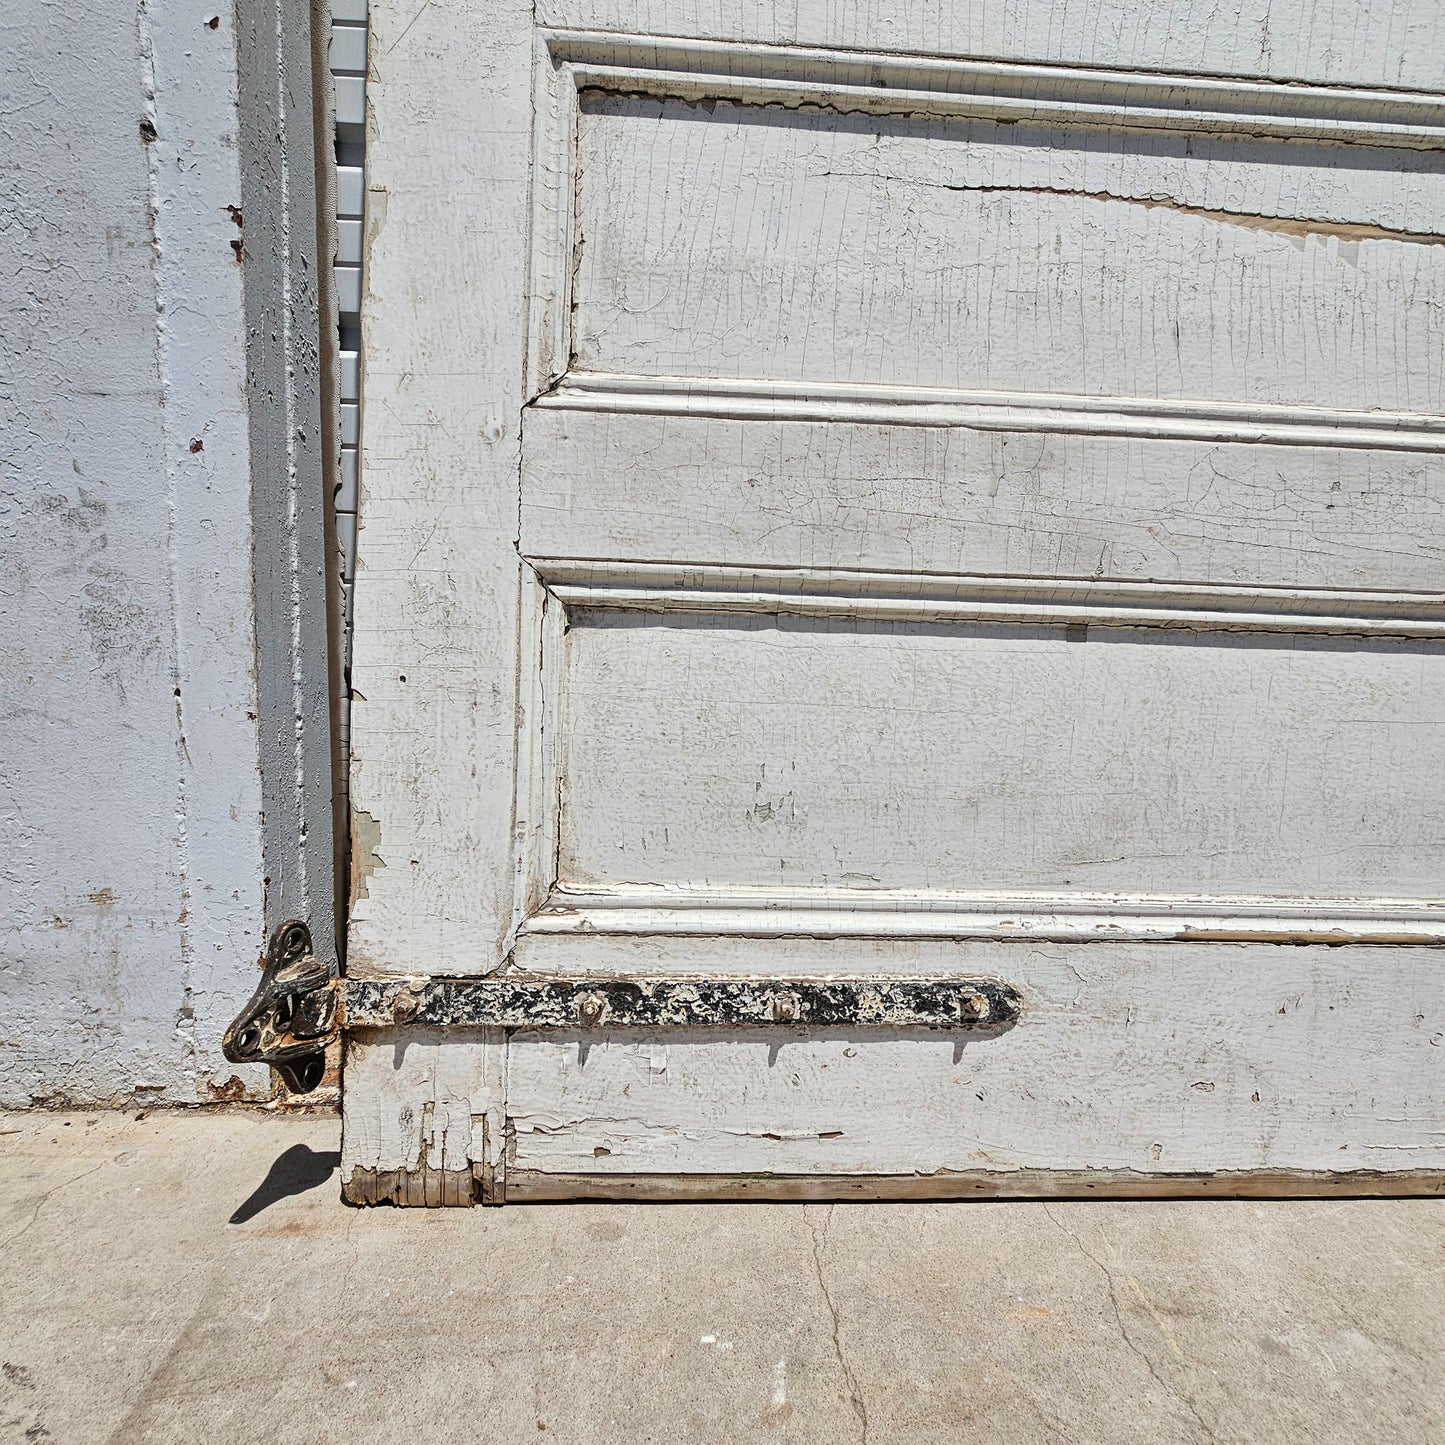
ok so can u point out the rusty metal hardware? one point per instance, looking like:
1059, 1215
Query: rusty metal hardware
521, 1001
293, 1015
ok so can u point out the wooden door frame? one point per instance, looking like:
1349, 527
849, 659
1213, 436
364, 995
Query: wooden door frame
284, 230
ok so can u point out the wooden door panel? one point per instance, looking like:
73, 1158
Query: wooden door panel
743, 231
958, 501
907, 509
718, 240
865, 754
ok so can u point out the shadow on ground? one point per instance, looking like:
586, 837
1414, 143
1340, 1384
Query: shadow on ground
294, 1171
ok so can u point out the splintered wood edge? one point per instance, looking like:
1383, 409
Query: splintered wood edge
424, 1187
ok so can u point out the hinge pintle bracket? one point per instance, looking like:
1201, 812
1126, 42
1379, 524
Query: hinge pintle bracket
293, 1015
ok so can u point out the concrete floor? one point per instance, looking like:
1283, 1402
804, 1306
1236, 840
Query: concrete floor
193, 1277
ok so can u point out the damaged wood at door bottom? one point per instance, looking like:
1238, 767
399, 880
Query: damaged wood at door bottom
519, 1001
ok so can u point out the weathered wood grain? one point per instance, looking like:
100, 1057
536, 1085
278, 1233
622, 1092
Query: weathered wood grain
444, 325
537, 1186
423, 1117
798, 752
906, 512
1148, 1058
719, 240
963, 501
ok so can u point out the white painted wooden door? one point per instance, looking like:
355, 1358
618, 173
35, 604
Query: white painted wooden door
904, 489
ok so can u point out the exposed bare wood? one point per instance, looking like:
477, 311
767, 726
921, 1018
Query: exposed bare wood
422, 1187
530, 1187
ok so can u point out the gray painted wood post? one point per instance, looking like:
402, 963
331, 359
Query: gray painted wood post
290, 446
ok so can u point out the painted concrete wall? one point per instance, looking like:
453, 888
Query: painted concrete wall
131, 859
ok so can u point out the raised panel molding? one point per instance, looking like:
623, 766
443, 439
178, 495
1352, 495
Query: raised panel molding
899, 596
811, 80
878, 83
1035, 915
776, 401
559, 592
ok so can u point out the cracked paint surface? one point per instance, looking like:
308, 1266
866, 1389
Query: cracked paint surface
739, 254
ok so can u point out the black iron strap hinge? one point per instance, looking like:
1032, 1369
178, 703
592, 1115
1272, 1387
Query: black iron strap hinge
527, 1002
293, 1015
297, 1009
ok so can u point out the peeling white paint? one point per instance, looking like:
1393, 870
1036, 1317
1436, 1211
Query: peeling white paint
957, 514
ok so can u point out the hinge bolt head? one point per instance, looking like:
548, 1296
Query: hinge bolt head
784, 1008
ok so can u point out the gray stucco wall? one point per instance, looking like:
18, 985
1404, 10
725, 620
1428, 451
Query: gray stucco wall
132, 861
